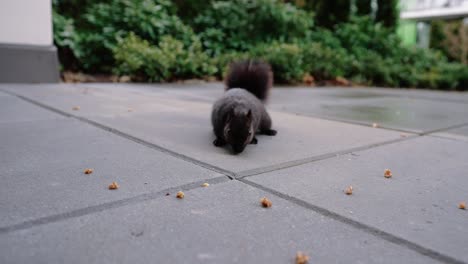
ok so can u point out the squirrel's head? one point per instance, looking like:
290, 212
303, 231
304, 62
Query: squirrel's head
238, 129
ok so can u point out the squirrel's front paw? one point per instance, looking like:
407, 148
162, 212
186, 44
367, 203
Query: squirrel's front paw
219, 142
270, 132
254, 141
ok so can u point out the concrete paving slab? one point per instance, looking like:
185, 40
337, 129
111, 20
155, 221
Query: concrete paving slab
453, 96
14, 110
460, 133
407, 114
189, 132
407, 110
222, 223
208, 91
184, 126
110, 100
419, 203
42, 166
372, 92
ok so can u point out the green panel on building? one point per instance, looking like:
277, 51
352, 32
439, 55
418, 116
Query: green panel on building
407, 32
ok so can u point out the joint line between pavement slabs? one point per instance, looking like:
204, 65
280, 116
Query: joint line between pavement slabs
114, 131
294, 163
350, 122
110, 205
358, 225
443, 129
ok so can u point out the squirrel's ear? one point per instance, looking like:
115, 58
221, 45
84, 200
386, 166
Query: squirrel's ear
249, 114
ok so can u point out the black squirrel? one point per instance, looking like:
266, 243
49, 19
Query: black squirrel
240, 113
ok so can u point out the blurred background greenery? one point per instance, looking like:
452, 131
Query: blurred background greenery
319, 41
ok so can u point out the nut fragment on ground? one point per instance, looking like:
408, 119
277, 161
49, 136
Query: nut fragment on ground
205, 184
301, 258
130, 110
113, 186
375, 125
349, 190
265, 202
88, 171
180, 195
76, 108
387, 173
308, 79
462, 205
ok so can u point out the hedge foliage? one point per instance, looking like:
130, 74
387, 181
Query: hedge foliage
160, 40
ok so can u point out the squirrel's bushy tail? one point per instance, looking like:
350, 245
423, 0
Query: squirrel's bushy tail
253, 75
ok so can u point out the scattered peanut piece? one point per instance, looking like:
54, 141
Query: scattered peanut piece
113, 186
265, 202
301, 258
130, 110
76, 108
349, 190
375, 125
180, 195
462, 205
308, 79
88, 171
403, 135
205, 184
387, 173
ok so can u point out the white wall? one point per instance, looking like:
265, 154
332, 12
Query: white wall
26, 22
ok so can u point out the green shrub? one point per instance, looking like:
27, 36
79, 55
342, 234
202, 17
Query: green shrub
286, 60
330, 13
64, 30
363, 7
148, 41
105, 23
66, 39
387, 13
187, 10
138, 58
167, 61
363, 34
322, 62
445, 76
222, 61
239, 25
447, 38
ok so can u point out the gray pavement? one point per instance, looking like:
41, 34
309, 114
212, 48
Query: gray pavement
155, 140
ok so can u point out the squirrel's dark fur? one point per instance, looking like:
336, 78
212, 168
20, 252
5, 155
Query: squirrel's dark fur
239, 114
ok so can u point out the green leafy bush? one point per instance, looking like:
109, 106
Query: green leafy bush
147, 40
364, 34
67, 40
138, 58
105, 23
286, 60
387, 12
222, 61
239, 25
167, 61
330, 13
322, 62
